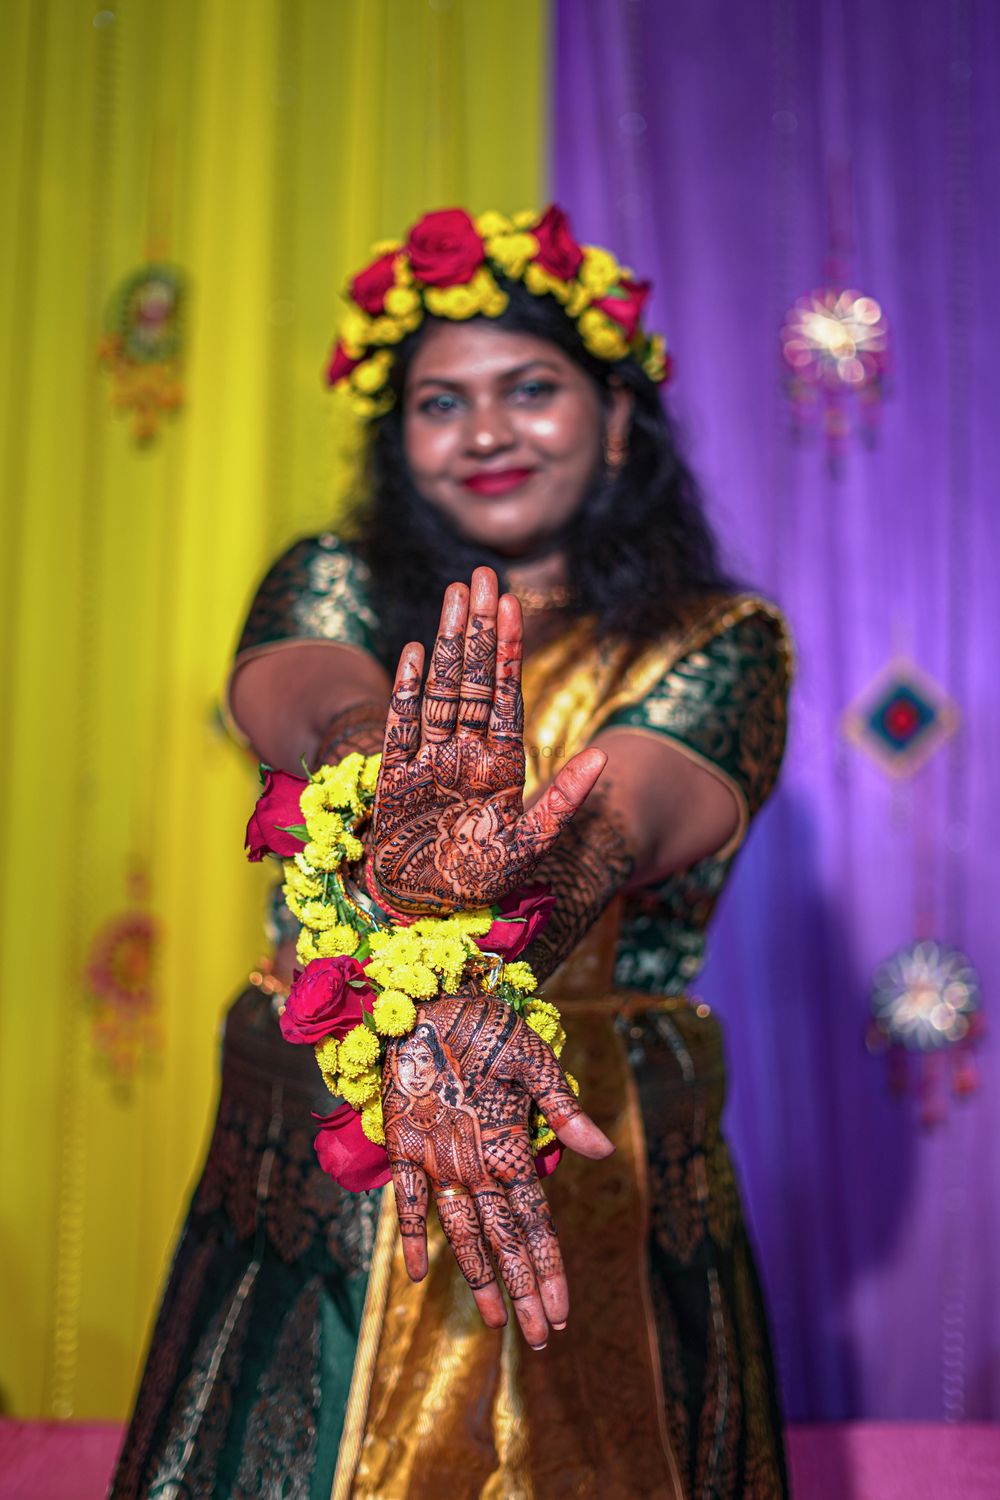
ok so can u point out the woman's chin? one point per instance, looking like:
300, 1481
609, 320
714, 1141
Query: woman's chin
508, 536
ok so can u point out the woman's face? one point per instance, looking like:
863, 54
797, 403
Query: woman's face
503, 432
416, 1070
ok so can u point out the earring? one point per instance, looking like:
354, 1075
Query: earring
615, 454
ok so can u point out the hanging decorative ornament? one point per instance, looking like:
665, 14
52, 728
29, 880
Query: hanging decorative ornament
142, 349
835, 346
901, 719
926, 1018
121, 978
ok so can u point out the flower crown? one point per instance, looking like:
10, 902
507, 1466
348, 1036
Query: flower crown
448, 267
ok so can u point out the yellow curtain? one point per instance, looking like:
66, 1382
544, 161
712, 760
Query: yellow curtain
261, 146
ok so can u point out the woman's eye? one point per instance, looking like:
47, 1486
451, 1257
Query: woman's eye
441, 405
534, 390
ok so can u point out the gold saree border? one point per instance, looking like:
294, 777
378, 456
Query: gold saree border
369, 1337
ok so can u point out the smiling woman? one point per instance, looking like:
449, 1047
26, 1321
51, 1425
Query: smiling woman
517, 441
506, 453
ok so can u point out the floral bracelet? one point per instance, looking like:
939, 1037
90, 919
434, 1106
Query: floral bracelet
364, 970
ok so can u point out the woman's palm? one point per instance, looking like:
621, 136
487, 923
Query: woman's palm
450, 830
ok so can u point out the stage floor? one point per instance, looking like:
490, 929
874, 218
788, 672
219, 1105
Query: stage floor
854, 1461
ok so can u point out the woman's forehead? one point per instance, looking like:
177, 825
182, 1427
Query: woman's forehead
478, 351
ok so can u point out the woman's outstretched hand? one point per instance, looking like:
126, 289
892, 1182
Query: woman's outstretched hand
449, 828
455, 1096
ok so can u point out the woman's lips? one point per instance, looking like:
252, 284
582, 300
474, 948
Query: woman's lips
497, 481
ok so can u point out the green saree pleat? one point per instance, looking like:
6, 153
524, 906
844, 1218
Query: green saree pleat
252, 1356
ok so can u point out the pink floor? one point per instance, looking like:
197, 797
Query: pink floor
860, 1461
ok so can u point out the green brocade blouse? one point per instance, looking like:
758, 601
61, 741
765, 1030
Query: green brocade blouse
723, 702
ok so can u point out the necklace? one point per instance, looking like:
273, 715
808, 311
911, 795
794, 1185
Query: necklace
535, 601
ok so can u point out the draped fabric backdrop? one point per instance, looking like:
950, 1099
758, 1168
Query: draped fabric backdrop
695, 137
262, 147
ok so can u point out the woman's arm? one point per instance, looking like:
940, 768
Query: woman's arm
316, 700
653, 811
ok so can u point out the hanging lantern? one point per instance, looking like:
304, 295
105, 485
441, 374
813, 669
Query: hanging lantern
835, 347
926, 1018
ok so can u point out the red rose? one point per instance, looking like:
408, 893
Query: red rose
444, 248
323, 1002
277, 810
370, 285
340, 366
347, 1155
522, 916
548, 1159
558, 252
624, 305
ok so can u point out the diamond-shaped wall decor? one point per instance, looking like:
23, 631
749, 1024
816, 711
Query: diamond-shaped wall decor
901, 718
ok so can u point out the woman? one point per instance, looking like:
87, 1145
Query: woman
515, 430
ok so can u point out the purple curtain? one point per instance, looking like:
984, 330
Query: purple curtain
712, 144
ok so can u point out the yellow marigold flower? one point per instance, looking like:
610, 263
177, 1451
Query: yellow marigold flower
655, 362
337, 940
394, 1013
574, 1084
304, 886
458, 302
354, 331
367, 407
387, 330
512, 252
324, 826
416, 980
322, 856
544, 1019
369, 377
520, 976
319, 916
369, 774
305, 947
372, 1123
359, 1091
359, 1051
559, 1043
386, 247
526, 218
292, 901
326, 1055
538, 281
303, 866
475, 923
340, 781
579, 299
401, 301
599, 271
601, 336
491, 223
313, 799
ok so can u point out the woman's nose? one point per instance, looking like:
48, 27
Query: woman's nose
490, 430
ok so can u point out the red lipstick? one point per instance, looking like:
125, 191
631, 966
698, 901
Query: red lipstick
496, 481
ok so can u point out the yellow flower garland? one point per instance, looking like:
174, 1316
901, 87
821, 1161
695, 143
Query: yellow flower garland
405, 965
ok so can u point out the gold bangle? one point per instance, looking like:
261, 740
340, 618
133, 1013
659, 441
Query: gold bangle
452, 1192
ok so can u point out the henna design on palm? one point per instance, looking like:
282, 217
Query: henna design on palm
449, 827
456, 1094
